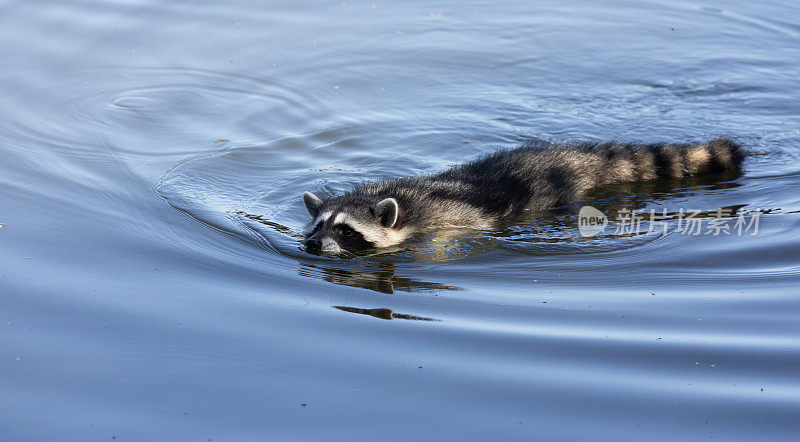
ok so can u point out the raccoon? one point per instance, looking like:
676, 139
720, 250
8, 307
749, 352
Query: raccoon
488, 192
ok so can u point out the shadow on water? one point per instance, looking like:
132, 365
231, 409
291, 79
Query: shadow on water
383, 280
384, 313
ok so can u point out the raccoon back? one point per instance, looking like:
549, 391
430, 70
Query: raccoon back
541, 175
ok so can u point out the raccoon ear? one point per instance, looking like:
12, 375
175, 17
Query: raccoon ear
313, 203
387, 211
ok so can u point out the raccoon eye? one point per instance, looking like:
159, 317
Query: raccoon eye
347, 231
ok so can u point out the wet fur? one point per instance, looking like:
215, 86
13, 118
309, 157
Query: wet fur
485, 193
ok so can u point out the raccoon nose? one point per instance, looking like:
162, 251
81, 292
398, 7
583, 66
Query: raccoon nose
313, 244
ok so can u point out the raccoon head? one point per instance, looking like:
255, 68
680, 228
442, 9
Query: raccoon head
355, 224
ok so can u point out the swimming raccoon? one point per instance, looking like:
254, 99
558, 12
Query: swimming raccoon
485, 193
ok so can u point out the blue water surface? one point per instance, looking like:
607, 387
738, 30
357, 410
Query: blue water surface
152, 282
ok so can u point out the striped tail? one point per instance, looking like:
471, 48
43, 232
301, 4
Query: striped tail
633, 162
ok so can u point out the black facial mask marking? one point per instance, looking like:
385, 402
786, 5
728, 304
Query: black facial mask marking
347, 238
350, 239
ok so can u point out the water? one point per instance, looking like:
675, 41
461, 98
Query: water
153, 284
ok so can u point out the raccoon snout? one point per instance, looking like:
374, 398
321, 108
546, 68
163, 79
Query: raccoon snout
313, 245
